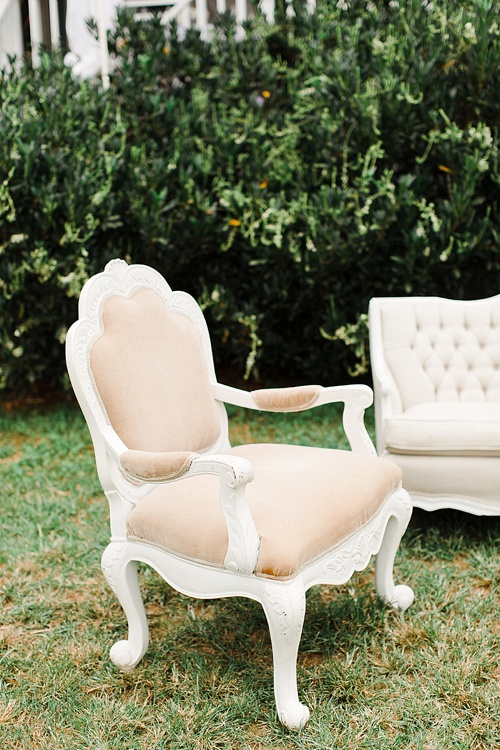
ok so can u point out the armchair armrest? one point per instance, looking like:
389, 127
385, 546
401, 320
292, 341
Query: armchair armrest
234, 474
296, 398
356, 399
146, 466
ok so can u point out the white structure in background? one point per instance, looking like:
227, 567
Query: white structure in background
89, 56
11, 28
11, 32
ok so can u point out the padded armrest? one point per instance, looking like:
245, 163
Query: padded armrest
147, 466
287, 399
296, 398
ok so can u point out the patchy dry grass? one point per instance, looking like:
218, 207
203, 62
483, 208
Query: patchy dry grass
373, 678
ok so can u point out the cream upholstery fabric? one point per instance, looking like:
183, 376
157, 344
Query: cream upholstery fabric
152, 378
303, 501
436, 374
444, 357
151, 375
156, 467
287, 399
446, 428
441, 350
453, 477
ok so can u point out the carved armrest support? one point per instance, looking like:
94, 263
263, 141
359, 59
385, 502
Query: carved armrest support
356, 399
244, 541
234, 474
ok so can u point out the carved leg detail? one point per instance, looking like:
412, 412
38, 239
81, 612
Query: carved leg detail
284, 605
121, 575
401, 596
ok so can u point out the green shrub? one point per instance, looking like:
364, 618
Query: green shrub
283, 178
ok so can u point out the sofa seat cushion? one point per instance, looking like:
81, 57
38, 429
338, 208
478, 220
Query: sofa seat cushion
303, 500
449, 428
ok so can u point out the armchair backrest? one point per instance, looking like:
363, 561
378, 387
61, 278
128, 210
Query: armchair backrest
436, 349
140, 360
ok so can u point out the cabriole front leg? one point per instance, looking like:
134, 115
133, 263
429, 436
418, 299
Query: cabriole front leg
284, 605
121, 574
401, 596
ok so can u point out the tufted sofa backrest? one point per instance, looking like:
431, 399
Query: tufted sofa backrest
442, 350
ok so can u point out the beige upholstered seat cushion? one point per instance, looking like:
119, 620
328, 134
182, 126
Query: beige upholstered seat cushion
446, 428
303, 500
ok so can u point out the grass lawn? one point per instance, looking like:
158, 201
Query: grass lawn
373, 678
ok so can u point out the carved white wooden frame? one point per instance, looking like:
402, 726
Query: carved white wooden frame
283, 601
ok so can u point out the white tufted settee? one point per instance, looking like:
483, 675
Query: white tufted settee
436, 374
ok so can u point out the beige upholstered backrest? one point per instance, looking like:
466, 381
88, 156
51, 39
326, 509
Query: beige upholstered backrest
442, 350
151, 375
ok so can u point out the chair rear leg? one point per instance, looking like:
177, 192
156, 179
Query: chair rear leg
121, 574
284, 605
401, 596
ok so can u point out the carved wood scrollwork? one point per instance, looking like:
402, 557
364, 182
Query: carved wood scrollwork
355, 555
109, 557
236, 557
243, 540
289, 605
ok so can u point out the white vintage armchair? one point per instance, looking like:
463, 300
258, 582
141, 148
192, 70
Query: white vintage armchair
436, 376
260, 521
